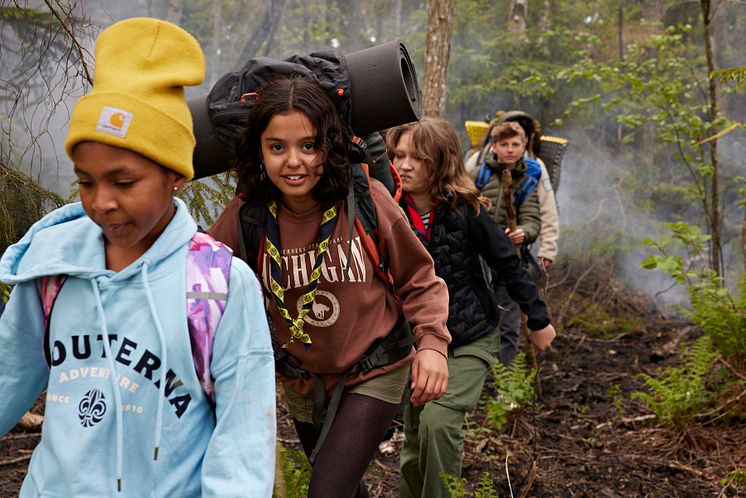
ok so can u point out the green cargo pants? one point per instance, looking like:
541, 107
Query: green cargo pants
434, 433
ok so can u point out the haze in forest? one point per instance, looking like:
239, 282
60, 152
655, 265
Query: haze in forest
603, 179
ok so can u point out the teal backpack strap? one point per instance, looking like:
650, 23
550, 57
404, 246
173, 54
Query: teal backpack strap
208, 276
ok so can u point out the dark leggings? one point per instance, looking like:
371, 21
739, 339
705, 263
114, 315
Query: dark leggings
353, 439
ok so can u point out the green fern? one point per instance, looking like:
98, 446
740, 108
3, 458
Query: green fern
296, 472
717, 311
457, 487
676, 394
515, 391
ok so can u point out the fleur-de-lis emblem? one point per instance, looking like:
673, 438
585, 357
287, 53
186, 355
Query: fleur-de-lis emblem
92, 408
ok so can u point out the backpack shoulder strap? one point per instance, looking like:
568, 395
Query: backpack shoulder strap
251, 234
483, 176
208, 275
50, 289
533, 175
366, 223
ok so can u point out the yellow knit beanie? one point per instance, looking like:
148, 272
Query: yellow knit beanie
137, 101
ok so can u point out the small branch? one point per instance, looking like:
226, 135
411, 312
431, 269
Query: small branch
73, 40
507, 474
13, 461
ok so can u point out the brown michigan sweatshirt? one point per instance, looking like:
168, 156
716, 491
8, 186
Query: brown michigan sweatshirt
353, 306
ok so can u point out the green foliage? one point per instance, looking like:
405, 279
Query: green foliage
676, 394
207, 198
657, 94
717, 311
515, 391
736, 478
732, 74
22, 202
599, 321
4, 292
296, 472
457, 487
614, 395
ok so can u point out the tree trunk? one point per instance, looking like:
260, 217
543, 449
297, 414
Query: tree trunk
652, 10
397, 17
437, 53
213, 58
743, 239
620, 27
714, 221
306, 24
517, 19
355, 25
174, 10
264, 31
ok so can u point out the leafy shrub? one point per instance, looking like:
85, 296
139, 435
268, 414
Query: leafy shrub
676, 394
296, 473
515, 391
721, 314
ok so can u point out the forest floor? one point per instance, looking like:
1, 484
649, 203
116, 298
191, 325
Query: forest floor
587, 438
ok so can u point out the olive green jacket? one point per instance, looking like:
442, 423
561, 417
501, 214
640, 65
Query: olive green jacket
528, 216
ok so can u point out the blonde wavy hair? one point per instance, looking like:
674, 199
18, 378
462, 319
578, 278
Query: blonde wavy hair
436, 144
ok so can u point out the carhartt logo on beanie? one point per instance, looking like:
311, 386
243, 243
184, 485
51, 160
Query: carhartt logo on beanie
137, 101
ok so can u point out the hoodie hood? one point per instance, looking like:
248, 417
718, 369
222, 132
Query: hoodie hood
68, 242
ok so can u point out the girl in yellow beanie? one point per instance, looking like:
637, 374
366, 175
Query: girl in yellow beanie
159, 368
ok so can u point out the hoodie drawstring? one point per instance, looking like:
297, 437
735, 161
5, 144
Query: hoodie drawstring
164, 363
117, 394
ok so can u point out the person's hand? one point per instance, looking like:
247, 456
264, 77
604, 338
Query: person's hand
542, 338
516, 236
545, 263
429, 376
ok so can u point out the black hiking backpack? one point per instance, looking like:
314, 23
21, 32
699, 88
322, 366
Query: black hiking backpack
385, 72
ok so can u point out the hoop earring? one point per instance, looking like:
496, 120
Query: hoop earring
262, 172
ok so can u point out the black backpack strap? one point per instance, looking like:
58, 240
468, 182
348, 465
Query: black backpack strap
377, 158
250, 233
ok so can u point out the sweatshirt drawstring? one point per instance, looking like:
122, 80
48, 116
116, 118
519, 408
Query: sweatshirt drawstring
164, 363
113, 376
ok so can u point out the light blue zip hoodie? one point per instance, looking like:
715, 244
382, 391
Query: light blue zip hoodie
107, 405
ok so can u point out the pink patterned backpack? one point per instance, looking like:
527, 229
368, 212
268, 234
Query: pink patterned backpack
208, 272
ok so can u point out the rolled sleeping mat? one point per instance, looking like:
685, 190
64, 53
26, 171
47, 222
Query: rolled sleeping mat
211, 156
383, 88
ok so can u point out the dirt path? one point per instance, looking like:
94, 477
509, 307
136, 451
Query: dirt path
589, 439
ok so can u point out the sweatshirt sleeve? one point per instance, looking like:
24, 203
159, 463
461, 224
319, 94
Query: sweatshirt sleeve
424, 295
550, 229
240, 458
499, 252
24, 370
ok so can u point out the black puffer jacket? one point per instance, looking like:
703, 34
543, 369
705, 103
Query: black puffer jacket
457, 239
